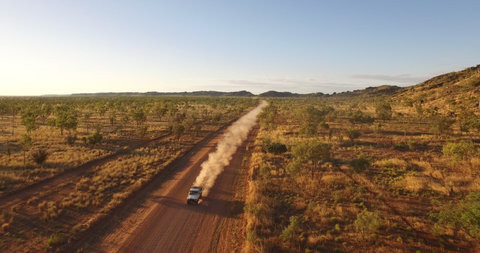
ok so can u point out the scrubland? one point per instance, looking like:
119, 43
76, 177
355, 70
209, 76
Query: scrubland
118, 144
364, 174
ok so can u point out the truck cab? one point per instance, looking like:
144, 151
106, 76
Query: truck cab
194, 195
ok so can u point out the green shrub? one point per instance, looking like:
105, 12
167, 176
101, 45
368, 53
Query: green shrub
55, 240
93, 138
459, 151
441, 124
368, 223
383, 111
273, 147
71, 139
353, 134
360, 164
289, 233
39, 156
360, 117
465, 215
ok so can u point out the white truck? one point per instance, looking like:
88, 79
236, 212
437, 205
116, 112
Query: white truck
194, 195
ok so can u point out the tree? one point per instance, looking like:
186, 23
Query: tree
459, 151
178, 130
44, 112
464, 215
39, 156
368, 223
310, 118
13, 109
66, 118
267, 118
314, 152
441, 124
290, 232
358, 116
383, 110
353, 134
138, 114
86, 117
29, 120
25, 142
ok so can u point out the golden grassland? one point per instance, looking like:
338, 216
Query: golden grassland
388, 205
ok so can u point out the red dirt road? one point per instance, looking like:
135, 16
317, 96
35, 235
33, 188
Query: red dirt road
162, 222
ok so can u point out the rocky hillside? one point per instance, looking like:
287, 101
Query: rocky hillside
446, 93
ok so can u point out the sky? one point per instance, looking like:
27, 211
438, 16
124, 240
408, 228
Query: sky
64, 47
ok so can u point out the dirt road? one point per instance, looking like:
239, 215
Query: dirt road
162, 222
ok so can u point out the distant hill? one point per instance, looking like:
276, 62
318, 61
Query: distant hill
242, 93
446, 92
371, 91
278, 94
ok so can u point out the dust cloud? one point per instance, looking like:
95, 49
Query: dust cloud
226, 147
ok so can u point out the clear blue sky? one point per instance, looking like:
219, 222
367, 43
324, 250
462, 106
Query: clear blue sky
62, 47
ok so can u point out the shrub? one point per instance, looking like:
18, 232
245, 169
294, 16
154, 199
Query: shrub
55, 240
360, 164
71, 139
93, 138
368, 223
39, 156
360, 117
464, 215
441, 124
273, 147
383, 111
353, 134
289, 233
459, 151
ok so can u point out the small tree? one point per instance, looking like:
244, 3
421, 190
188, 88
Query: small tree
360, 164
178, 130
359, 117
383, 110
26, 142
314, 152
353, 134
66, 118
290, 232
465, 215
441, 124
368, 223
459, 151
39, 156
268, 117
29, 120
139, 116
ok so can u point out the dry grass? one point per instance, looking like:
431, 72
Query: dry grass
408, 177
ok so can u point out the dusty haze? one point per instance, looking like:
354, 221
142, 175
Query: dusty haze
228, 145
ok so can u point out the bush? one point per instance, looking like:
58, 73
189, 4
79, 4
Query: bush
441, 124
459, 151
464, 215
368, 223
360, 117
290, 232
360, 164
93, 138
353, 134
273, 147
383, 111
55, 240
39, 156
71, 139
